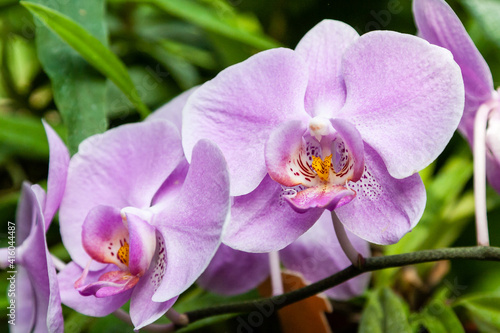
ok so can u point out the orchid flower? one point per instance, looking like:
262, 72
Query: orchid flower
315, 255
38, 304
343, 122
139, 222
480, 124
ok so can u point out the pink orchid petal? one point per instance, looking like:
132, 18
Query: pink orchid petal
317, 254
25, 303
37, 261
109, 284
322, 49
385, 208
116, 169
172, 110
321, 196
191, 223
240, 107
493, 172
262, 221
103, 234
404, 96
58, 171
285, 153
88, 305
233, 272
354, 144
438, 24
142, 244
143, 310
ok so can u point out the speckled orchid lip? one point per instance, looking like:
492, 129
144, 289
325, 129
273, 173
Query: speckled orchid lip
113, 237
320, 161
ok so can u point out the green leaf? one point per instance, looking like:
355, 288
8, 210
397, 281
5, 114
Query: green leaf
385, 312
14, 136
439, 317
79, 92
89, 47
212, 21
485, 309
486, 13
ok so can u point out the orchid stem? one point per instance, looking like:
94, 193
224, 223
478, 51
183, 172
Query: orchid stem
177, 318
370, 264
354, 256
479, 151
58, 263
125, 317
274, 265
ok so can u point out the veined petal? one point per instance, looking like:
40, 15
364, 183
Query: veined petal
439, 25
353, 143
191, 223
317, 254
142, 244
322, 48
109, 284
88, 305
326, 196
115, 169
404, 96
233, 272
493, 171
288, 155
262, 221
172, 110
493, 150
173, 184
240, 107
104, 237
26, 303
25, 212
143, 310
58, 171
37, 261
385, 208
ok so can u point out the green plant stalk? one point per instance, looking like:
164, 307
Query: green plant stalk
368, 265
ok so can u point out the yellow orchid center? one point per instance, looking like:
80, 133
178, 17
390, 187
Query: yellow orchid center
123, 253
321, 167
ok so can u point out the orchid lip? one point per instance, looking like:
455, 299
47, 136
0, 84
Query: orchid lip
119, 238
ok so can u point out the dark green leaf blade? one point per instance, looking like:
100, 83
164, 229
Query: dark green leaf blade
89, 47
384, 312
202, 17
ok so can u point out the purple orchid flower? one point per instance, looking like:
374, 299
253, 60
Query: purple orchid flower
342, 123
38, 304
141, 220
480, 124
315, 255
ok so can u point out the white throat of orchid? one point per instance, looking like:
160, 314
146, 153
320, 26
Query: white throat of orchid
324, 159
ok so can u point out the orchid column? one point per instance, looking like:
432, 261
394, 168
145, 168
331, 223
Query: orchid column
480, 123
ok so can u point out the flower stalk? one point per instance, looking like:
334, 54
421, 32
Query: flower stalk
354, 256
370, 264
275, 269
480, 125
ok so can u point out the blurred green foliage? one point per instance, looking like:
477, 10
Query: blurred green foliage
140, 54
